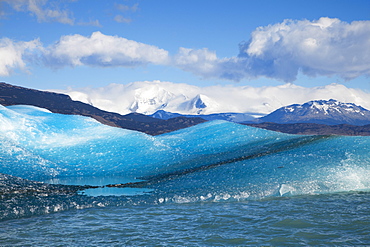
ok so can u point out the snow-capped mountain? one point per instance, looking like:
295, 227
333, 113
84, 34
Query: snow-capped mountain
147, 97
199, 105
328, 112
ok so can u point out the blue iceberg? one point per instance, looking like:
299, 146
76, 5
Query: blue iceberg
213, 161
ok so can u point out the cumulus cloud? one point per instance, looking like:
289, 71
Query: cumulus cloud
200, 61
14, 54
42, 10
102, 50
96, 50
324, 47
205, 63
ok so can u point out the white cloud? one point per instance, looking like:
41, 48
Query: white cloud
13, 54
95, 23
150, 96
124, 8
122, 19
97, 50
200, 61
205, 63
102, 50
325, 47
40, 8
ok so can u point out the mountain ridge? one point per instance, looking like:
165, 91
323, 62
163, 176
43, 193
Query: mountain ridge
314, 125
147, 97
63, 104
329, 112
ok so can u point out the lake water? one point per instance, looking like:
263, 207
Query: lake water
340, 219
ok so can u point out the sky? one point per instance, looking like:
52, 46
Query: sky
56, 44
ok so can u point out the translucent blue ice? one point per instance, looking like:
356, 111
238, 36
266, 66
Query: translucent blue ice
216, 160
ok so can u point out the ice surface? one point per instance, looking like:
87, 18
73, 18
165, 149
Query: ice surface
212, 161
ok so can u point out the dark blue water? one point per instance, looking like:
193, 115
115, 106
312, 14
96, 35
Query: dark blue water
341, 219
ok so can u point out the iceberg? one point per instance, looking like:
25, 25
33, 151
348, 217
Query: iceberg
216, 160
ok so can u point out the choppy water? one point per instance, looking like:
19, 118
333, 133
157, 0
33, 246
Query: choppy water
341, 219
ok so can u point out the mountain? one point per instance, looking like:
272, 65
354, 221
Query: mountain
199, 104
60, 103
147, 97
328, 112
231, 117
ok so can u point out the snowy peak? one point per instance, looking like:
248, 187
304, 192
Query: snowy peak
326, 107
200, 104
320, 111
148, 100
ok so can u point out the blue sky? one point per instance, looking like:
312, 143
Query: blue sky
49, 44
